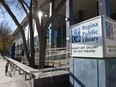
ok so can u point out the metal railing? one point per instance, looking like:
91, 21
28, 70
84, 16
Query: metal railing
30, 73
57, 57
54, 57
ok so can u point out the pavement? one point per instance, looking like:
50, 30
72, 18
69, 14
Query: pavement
14, 81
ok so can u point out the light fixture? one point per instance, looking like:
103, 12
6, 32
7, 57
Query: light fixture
45, 15
40, 14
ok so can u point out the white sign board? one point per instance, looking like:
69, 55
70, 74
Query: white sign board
86, 38
110, 37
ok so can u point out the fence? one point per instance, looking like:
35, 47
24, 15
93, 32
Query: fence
54, 57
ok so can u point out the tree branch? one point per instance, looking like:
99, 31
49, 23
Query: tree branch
46, 1
25, 4
45, 27
23, 7
9, 11
20, 28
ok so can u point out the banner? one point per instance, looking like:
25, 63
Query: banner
110, 37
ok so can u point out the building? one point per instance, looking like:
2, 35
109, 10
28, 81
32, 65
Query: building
95, 71
74, 11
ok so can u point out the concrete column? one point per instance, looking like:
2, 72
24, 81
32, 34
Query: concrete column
104, 8
51, 30
69, 20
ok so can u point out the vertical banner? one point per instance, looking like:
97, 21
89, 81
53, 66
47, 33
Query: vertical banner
86, 38
110, 37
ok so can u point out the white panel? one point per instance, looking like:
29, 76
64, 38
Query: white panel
87, 39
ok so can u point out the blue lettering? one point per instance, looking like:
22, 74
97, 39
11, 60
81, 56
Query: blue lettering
89, 26
76, 37
75, 31
91, 39
89, 32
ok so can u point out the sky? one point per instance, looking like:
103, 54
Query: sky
6, 17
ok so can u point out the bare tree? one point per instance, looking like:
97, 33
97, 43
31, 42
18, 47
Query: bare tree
27, 7
41, 30
5, 5
5, 37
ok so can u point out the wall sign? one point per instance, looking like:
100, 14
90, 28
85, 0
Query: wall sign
86, 38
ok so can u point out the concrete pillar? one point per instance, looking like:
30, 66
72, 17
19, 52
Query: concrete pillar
69, 20
51, 27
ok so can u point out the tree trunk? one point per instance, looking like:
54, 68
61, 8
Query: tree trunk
4, 48
42, 51
30, 20
41, 30
25, 47
32, 44
41, 36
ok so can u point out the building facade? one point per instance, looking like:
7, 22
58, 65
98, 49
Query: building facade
83, 72
74, 11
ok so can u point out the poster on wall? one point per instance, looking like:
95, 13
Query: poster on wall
86, 38
110, 37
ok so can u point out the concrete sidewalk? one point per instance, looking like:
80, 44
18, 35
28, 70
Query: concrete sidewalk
15, 81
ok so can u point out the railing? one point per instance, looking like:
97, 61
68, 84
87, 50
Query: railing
54, 57
55, 69
36, 73
21, 67
57, 57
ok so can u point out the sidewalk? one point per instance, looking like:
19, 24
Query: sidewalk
15, 81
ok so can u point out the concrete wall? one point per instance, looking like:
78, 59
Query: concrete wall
92, 72
57, 80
